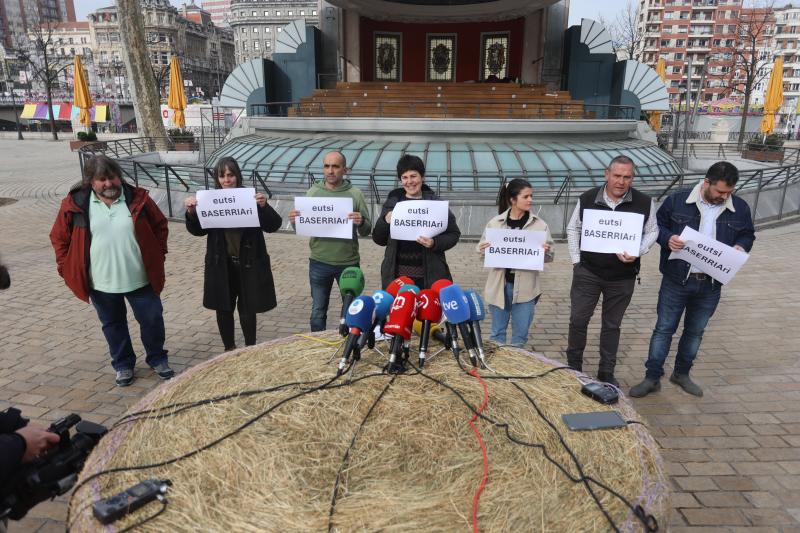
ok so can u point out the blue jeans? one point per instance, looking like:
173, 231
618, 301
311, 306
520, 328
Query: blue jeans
699, 298
520, 314
147, 310
321, 277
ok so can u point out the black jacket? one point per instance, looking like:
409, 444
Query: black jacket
12, 445
434, 260
257, 291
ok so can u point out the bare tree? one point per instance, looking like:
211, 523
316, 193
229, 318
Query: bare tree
144, 93
626, 32
38, 54
749, 57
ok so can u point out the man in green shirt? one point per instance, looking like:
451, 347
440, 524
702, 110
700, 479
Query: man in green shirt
110, 241
329, 256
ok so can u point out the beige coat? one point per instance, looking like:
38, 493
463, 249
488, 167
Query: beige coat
526, 282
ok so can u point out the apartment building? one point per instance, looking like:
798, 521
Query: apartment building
257, 23
687, 34
219, 10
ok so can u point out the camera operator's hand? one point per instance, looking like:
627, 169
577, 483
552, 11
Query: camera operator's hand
37, 441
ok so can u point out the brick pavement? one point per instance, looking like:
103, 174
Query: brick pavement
733, 456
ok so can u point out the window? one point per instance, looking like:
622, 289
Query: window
494, 55
280, 30
267, 29
387, 48
678, 56
254, 14
277, 13
268, 44
290, 13
255, 29
255, 45
313, 12
302, 12
441, 60
244, 46
244, 30
266, 13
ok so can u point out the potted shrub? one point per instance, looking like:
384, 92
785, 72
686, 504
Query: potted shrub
768, 149
181, 140
84, 138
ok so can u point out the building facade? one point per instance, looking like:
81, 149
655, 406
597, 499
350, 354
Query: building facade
205, 51
256, 24
219, 10
19, 17
787, 44
691, 35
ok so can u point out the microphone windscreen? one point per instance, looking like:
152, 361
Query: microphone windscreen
395, 285
359, 314
439, 285
383, 304
412, 288
428, 306
351, 281
454, 304
476, 310
401, 317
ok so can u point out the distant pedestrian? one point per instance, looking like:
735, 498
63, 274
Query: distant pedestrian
712, 209
238, 273
110, 240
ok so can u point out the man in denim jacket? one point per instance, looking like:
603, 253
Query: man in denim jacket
711, 209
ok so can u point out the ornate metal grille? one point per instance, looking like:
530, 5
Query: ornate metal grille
441, 57
388, 56
494, 55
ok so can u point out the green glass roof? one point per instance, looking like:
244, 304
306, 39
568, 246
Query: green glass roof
456, 166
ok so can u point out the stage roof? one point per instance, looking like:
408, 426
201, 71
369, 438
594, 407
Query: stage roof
443, 11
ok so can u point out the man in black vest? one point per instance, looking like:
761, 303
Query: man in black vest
612, 275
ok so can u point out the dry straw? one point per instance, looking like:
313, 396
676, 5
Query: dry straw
413, 464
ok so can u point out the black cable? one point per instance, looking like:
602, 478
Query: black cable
530, 376
204, 447
147, 519
649, 521
346, 457
631, 422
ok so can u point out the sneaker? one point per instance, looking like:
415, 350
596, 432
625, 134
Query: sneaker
164, 371
605, 377
645, 387
685, 382
124, 377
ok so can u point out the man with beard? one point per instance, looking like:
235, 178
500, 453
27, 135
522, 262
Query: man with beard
110, 240
711, 209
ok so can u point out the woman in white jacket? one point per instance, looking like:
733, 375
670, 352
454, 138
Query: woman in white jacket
512, 294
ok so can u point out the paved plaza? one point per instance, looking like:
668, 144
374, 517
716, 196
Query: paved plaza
733, 455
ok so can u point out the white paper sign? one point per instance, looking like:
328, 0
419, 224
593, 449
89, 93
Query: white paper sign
518, 249
324, 217
611, 232
718, 260
418, 218
227, 208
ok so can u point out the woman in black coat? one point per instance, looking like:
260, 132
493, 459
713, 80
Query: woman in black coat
237, 265
422, 260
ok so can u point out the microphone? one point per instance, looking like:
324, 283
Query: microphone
437, 333
456, 309
429, 311
409, 287
393, 287
383, 304
451, 337
351, 284
476, 314
401, 318
358, 319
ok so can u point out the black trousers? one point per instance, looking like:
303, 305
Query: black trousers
225, 318
584, 294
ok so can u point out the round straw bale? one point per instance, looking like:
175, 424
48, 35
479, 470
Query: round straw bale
268, 439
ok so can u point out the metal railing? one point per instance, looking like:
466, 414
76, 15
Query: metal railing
473, 188
495, 109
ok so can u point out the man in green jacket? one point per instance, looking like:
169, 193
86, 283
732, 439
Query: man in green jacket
330, 256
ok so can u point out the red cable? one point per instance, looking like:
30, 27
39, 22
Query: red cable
485, 477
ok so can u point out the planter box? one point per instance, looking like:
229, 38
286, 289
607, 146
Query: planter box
763, 155
77, 145
183, 147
